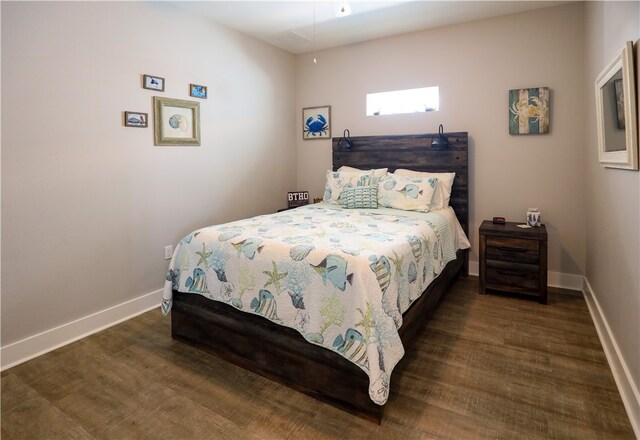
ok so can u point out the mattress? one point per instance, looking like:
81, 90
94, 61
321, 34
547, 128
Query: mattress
341, 277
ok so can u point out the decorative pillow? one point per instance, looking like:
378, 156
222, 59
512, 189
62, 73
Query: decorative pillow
443, 190
378, 172
359, 197
337, 181
409, 194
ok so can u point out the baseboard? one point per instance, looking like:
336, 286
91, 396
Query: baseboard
33, 346
565, 281
554, 279
626, 386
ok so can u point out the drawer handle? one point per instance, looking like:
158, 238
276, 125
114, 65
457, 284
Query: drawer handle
511, 249
512, 272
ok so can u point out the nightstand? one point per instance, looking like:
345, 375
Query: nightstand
513, 259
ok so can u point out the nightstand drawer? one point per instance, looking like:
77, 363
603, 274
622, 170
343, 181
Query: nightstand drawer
512, 249
512, 277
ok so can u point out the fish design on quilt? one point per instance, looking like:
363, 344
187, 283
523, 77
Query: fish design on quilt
198, 282
382, 268
249, 246
188, 238
352, 346
416, 246
411, 190
265, 305
174, 276
334, 269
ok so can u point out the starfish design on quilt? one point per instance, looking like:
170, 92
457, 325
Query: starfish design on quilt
274, 277
398, 262
203, 256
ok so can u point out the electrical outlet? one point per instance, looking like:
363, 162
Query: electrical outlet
168, 252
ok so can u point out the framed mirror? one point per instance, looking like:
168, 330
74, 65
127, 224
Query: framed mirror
616, 112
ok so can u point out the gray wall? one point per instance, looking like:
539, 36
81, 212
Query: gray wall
87, 204
612, 196
474, 64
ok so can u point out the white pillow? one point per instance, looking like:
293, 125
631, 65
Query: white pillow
406, 193
337, 181
443, 191
378, 172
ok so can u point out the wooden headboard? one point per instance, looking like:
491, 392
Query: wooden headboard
414, 152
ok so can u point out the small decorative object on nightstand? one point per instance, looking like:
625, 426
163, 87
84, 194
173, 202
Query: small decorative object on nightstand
295, 199
513, 259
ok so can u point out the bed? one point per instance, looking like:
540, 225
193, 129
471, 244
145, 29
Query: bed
358, 385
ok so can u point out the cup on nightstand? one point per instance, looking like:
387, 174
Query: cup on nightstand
533, 217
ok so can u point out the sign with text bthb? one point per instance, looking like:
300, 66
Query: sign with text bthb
298, 198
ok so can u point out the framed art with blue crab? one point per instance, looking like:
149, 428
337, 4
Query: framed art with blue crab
316, 122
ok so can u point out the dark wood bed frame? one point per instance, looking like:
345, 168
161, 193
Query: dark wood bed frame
281, 353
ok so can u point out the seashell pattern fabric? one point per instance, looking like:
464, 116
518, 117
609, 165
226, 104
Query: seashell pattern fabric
340, 277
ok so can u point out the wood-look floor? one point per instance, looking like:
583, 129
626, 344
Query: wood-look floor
483, 367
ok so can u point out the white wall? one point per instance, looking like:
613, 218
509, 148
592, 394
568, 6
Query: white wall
87, 204
474, 64
613, 197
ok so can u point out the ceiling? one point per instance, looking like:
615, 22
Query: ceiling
289, 25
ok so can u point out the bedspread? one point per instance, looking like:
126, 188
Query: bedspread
342, 278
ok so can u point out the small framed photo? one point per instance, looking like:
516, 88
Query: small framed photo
177, 122
316, 122
136, 119
153, 83
198, 91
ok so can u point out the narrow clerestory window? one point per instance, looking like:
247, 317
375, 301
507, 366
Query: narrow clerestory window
425, 99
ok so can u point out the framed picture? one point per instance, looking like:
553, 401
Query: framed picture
198, 91
616, 112
153, 83
529, 111
136, 119
177, 122
316, 122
